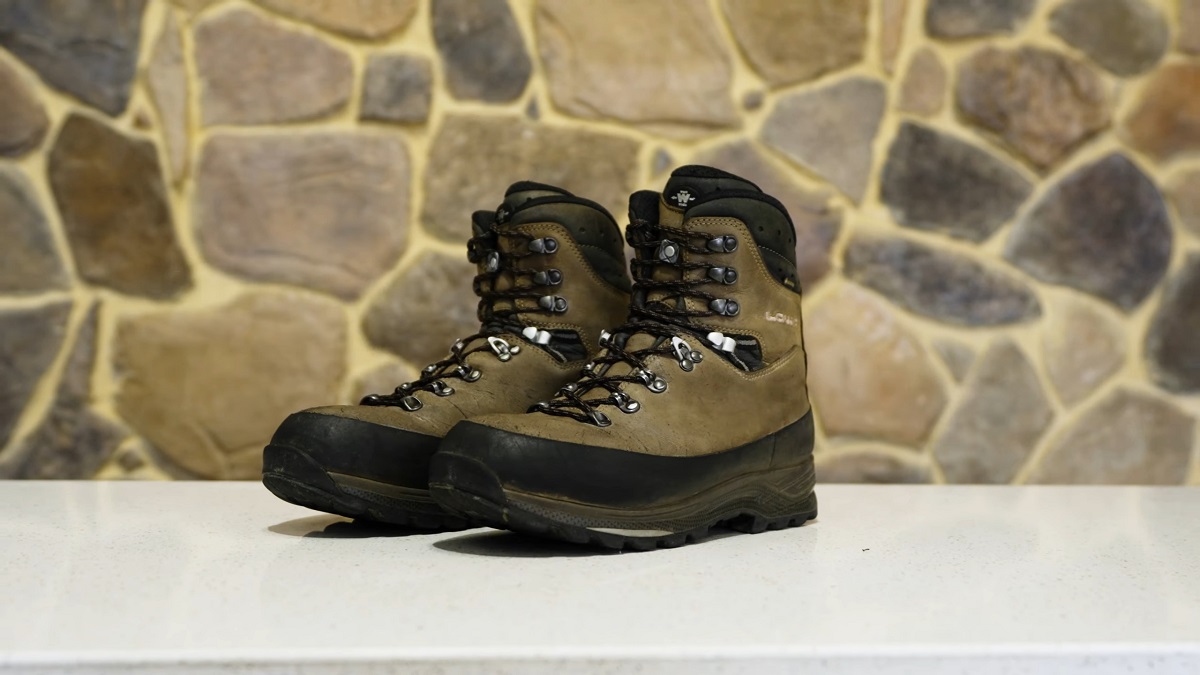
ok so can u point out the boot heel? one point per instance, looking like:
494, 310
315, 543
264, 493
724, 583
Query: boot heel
755, 524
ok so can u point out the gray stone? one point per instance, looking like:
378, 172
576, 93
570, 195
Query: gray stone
1083, 347
1173, 342
288, 76
23, 119
829, 130
326, 210
891, 32
753, 100
425, 309
789, 42
370, 19
29, 260
998, 422
1166, 122
924, 87
936, 283
677, 86
1189, 27
1039, 103
934, 181
72, 442
397, 88
873, 378
957, 356
208, 387
1129, 438
953, 19
1184, 193
483, 54
1127, 37
86, 49
167, 79
1116, 247
29, 341
113, 202
869, 465
461, 178
818, 221
384, 379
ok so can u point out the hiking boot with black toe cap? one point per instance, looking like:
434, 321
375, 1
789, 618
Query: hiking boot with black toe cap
696, 414
551, 276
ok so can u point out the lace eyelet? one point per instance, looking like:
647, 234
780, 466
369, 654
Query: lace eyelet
550, 277
723, 244
626, 404
600, 419
411, 403
553, 303
725, 307
441, 388
543, 245
723, 275
469, 374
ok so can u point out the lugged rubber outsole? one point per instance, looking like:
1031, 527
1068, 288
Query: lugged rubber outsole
294, 477
491, 505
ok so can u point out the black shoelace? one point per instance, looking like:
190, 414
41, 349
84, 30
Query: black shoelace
494, 321
665, 318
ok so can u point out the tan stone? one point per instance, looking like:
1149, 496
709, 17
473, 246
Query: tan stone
631, 73
1166, 123
255, 71
208, 387
871, 465
474, 158
370, 19
830, 130
998, 422
167, 79
111, 196
1040, 103
324, 210
1184, 192
924, 86
23, 119
1128, 438
29, 259
789, 42
891, 32
1189, 27
869, 376
424, 310
1083, 346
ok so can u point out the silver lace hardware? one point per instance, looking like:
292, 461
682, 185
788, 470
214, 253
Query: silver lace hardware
503, 350
468, 374
441, 388
687, 357
536, 335
725, 307
544, 245
721, 341
625, 404
668, 251
411, 403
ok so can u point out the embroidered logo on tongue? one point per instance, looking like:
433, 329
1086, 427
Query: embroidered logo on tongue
683, 197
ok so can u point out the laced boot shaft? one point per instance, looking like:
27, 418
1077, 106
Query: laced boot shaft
523, 295
550, 275
695, 414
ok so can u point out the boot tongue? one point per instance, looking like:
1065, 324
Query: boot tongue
691, 183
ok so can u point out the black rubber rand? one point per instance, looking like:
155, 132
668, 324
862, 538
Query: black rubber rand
617, 499
357, 470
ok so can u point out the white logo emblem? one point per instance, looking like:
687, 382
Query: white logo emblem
779, 317
683, 197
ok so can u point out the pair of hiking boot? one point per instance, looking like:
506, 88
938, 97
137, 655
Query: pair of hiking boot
587, 408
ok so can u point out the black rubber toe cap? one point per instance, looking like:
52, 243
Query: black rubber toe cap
355, 447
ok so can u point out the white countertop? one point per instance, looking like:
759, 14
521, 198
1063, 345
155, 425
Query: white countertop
194, 577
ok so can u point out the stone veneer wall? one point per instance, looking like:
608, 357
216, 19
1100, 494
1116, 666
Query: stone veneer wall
213, 213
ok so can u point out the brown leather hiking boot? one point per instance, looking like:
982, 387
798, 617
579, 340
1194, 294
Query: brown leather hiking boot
551, 276
696, 414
